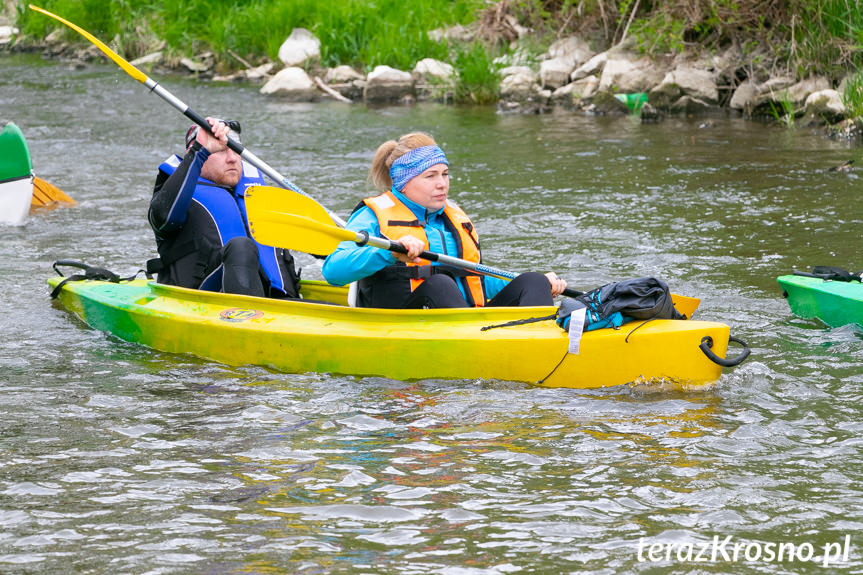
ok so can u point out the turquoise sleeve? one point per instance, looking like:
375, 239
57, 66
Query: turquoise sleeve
493, 285
351, 262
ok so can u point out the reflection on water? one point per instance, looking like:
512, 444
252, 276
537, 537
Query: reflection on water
119, 459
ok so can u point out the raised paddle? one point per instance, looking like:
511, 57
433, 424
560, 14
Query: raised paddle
181, 106
297, 222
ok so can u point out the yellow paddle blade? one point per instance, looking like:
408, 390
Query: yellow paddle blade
284, 200
685, 304
276, 226
46, 194
294, 232
130, 69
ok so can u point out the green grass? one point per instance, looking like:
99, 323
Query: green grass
784, 113
853, 96
477, 79
802, 36
828, 36
363, 33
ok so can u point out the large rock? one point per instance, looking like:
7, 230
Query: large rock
520, 85
605, 104
555, 73
626, 76
575, 93
434, 79
744, 96
292, 83
685, 81
346, 81
431, 69
385, 84
300, 47
593, 66
6, 34
824, 107
784, 95
799, 92
650, 115
195, 66
151, 59
342, 74
572, 49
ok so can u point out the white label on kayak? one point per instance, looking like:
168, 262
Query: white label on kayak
576, 327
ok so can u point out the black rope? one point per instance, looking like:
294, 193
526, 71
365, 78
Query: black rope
566, 353
638, 326
519, 322
90, 273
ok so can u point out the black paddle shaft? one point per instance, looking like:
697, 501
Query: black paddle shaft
202, 122
480, 269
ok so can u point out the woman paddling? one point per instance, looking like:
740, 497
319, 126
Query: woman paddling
413, 174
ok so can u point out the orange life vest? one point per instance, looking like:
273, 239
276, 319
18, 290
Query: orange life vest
397, 220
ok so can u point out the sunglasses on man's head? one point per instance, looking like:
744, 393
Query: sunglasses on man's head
233, 134
233, 125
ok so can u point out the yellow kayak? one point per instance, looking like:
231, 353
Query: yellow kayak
307, 336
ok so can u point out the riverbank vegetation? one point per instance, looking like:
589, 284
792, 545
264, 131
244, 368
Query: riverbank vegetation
795, 37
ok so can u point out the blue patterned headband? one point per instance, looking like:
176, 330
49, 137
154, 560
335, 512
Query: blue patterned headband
410, 165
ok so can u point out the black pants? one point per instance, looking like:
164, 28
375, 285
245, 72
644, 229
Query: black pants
529, 288
241, 268
441, 291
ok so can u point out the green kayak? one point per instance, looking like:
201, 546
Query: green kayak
16, 176
836, 303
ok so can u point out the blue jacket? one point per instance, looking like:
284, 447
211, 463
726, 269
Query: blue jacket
199, 215
351, 262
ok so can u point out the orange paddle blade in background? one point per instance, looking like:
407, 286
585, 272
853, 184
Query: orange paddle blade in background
47, 195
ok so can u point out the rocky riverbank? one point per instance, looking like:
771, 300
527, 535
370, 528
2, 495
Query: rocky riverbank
569, 75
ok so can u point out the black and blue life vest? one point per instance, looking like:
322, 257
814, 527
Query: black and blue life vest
227, 210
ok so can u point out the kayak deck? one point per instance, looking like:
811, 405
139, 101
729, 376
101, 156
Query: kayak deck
304, 336
836, 303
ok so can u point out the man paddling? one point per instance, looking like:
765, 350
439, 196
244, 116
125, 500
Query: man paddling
198, 215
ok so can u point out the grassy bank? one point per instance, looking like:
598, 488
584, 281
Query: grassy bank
362, 33
800, 37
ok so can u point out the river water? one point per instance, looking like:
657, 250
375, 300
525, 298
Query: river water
118, 459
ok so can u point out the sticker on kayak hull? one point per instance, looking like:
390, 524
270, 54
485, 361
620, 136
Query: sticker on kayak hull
238, 314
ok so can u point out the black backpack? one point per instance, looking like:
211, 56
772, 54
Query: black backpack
616, 303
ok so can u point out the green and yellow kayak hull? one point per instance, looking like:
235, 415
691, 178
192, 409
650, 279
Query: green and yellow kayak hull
303, 336
836, 303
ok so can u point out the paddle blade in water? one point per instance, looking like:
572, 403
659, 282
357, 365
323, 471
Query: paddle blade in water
46, 194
